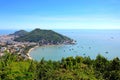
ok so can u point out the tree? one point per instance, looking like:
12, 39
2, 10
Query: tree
115, 64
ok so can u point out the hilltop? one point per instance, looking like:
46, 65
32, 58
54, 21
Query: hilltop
43, 37
20, 33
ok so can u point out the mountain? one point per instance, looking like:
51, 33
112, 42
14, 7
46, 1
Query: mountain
20, 33
43, 36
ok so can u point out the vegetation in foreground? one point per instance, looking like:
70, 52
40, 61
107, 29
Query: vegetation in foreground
14, 67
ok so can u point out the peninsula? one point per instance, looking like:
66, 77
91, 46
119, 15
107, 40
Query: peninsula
22, 42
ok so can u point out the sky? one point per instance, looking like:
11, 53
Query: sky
60, 14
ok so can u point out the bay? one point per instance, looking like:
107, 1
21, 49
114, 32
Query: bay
89, 43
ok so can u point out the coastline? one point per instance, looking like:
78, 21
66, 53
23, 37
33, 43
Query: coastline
40, 46
28, 53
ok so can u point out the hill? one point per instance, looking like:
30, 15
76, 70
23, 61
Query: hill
20, 33
44, 37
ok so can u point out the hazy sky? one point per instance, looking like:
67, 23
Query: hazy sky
60, 14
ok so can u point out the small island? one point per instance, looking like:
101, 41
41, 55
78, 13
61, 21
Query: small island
22, 42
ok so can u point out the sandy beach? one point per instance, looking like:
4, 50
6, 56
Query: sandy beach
28, 54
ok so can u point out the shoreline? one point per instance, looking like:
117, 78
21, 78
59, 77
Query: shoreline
28, 53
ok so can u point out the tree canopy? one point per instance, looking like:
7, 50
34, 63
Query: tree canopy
14, 67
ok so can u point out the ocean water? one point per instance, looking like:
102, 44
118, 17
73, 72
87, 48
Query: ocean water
6, 32
89, 43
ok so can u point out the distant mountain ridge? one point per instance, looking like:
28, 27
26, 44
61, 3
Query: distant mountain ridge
42, 36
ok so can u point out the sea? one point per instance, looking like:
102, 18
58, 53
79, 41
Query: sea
89, 42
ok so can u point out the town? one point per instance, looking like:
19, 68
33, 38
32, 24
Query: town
8, 44
22, 42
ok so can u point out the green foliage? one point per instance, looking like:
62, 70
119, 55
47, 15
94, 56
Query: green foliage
88, 61
109, 70
70, 68
12, 69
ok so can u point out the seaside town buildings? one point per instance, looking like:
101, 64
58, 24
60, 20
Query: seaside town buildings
8, 44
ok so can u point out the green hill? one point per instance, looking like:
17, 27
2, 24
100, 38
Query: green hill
44, 36
20, 33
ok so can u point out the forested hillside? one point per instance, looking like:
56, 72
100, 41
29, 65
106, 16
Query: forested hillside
43, 36
20, 33
14, 67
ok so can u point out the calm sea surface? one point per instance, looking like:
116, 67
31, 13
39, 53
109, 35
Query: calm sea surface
89, 43
5, 32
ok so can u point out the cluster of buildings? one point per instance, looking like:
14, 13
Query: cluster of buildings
8, 44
